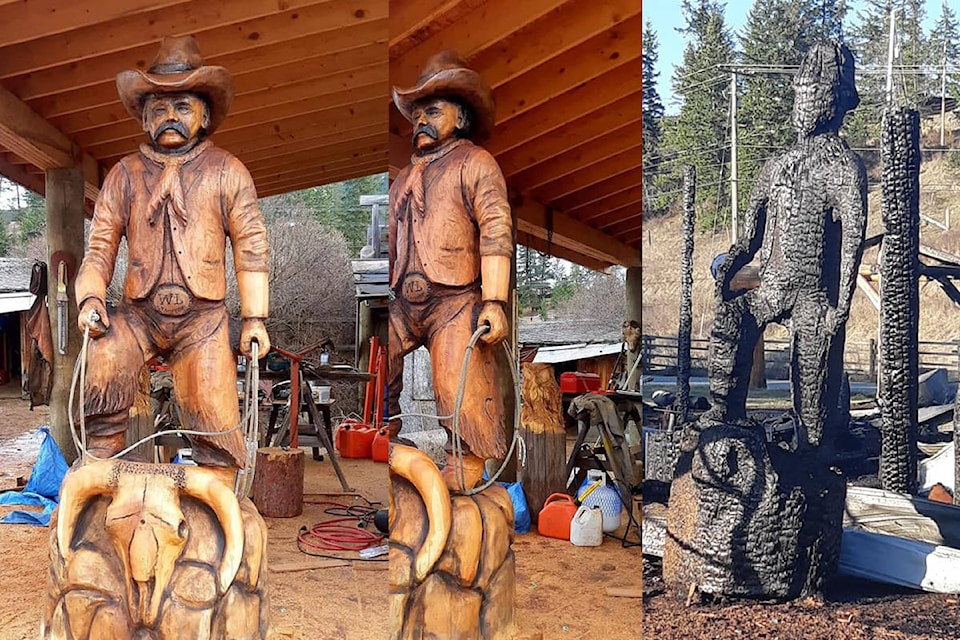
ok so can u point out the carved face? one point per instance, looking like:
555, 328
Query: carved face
176, 121
435, 121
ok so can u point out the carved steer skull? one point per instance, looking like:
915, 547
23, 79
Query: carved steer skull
145, 524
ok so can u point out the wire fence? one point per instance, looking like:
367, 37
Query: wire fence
659, 357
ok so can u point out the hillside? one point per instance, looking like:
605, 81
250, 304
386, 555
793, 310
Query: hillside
940, 319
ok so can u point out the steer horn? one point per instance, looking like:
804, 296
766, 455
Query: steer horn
205, 485
420, 471
101, 478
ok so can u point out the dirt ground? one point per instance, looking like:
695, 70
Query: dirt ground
849, 610
560, 588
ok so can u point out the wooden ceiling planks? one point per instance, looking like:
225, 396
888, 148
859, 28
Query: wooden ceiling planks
310, 79
566, 77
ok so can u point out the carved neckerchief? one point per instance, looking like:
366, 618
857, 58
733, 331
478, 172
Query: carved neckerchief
412, 200
168, 194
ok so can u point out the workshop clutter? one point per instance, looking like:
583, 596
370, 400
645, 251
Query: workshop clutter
367, 437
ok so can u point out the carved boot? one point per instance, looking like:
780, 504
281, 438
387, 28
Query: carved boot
472, 472
106, 446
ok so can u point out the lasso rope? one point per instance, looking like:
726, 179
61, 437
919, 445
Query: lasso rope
249, 422
455, 416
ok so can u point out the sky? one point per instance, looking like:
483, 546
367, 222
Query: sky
665, 16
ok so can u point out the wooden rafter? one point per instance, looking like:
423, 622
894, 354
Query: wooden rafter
41, 144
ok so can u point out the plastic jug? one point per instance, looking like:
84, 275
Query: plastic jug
355, 440
381, 446
554, 519
605, 497
586, 528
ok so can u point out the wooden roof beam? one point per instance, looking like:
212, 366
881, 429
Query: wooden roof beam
275, 132
566, 232
256, 117
615, 184
19, 174
412, 21
138, 29
307, 181
576, 159
41, 144
302, 49
573, 105
543, 246
563, 28
309, 141
578, 132
220, 41
486, 25
363, 65
587, 177
39, 18
562, 73
604, 212
628, 221
298, 164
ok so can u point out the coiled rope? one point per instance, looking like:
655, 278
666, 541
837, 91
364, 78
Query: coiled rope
249, 421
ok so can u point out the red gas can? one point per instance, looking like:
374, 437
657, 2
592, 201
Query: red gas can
355, 440
381, 446
576, 382
556, 515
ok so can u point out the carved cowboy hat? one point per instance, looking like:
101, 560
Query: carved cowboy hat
177, 68
446, 75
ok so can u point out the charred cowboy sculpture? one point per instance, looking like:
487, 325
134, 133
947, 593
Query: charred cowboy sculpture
747, 518
147, 550
451, 242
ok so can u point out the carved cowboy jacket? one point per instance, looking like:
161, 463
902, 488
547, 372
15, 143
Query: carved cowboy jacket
210, 197
456, 200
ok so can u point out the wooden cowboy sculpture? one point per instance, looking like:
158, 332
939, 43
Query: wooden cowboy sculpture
176, 200
451, 243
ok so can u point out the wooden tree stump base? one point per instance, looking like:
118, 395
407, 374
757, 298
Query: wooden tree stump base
278, 482
154, 551
544, 436
452, 569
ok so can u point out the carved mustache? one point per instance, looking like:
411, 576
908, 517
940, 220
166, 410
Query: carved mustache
426, 129
171, 126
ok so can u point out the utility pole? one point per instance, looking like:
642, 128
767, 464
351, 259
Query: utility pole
891, 50
733, 156
943, 85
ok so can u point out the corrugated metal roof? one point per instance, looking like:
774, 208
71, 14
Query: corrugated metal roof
571, 352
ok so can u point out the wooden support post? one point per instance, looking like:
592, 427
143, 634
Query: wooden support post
541, 417
634, 295
64, 204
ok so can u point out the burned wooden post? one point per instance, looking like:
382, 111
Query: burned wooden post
544, 437
900, 300
686, 293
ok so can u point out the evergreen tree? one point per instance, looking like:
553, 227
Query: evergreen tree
699, 134
337, 206
777, 32
944, 47
652, 106
869, 39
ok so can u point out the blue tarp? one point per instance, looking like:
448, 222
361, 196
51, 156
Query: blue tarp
43, 488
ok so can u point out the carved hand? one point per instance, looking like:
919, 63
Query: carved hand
492, 314
251, 330
90, 309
